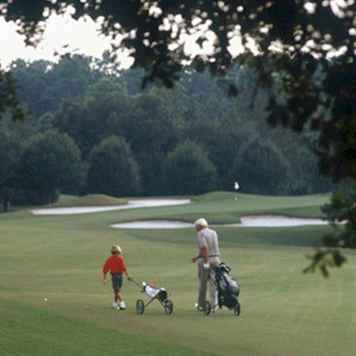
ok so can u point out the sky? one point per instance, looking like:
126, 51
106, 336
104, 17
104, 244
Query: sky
64, 34
80, 36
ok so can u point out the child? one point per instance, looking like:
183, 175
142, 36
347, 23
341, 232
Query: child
116, 265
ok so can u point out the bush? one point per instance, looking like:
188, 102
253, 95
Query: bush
260, 168
113, 169
50, 162
188, 170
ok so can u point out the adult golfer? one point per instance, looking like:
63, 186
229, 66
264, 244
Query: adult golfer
207, 258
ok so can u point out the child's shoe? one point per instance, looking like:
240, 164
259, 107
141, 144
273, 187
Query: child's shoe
122, 305
115, 305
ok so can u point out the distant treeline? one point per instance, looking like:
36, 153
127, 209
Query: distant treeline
89, 130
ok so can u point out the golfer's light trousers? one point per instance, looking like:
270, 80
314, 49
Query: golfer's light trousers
206, 276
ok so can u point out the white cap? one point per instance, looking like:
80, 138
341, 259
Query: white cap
201, 222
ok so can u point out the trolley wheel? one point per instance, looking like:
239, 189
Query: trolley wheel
207, 308
237, 309
168, 307
140, 307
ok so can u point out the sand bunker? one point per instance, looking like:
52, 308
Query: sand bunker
278, 221
246, 221
132, 204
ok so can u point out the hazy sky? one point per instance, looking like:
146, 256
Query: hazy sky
80, 36
83, 37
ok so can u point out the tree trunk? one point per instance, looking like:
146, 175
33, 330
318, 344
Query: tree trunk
6, 197
5, 204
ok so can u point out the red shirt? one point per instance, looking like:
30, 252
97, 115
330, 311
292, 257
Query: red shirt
115, 264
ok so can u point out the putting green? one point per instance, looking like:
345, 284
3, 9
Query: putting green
283, 311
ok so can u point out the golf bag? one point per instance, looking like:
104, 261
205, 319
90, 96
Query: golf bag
228, 289
153, 292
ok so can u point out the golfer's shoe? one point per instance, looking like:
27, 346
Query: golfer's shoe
115, 305
122, 305
198, 308
215, 308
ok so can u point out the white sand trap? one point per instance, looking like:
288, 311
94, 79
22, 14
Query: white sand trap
246, 221
154, 224
132, 204
276, 221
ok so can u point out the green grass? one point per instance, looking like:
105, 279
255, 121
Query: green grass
76, 201
283, 311
88, 200
39, 331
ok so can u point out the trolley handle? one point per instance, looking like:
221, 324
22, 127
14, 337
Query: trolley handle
130, 279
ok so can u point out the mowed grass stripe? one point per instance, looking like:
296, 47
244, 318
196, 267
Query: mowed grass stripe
283, 311
26, 330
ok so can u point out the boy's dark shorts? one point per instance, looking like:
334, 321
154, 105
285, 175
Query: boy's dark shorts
117, 280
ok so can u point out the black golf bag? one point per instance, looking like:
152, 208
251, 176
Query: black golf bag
228, 289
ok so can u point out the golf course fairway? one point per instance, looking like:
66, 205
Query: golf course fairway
52, 301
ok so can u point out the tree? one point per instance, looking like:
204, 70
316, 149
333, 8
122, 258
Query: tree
304, 175
42, 86
290, 37
8, 101
50, 163
32, 86
10, 151
342, 210
113, 169
188, 170
260, 167
152, 129
72, 76
92, 117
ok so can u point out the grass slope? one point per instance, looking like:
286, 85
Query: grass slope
283, 311
27, 330
88, 200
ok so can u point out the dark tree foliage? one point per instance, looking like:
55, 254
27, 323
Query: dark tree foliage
342, 210
305, 32
306, 35
188, 170
113, 169
257, 166
152, 130
94, 115
10, 151
32, 86
8, 99
41, 86
50, 163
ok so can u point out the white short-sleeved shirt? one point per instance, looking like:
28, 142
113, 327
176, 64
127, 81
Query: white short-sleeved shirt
209, 238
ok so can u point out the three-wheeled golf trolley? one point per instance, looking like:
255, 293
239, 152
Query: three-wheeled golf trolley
153, 293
